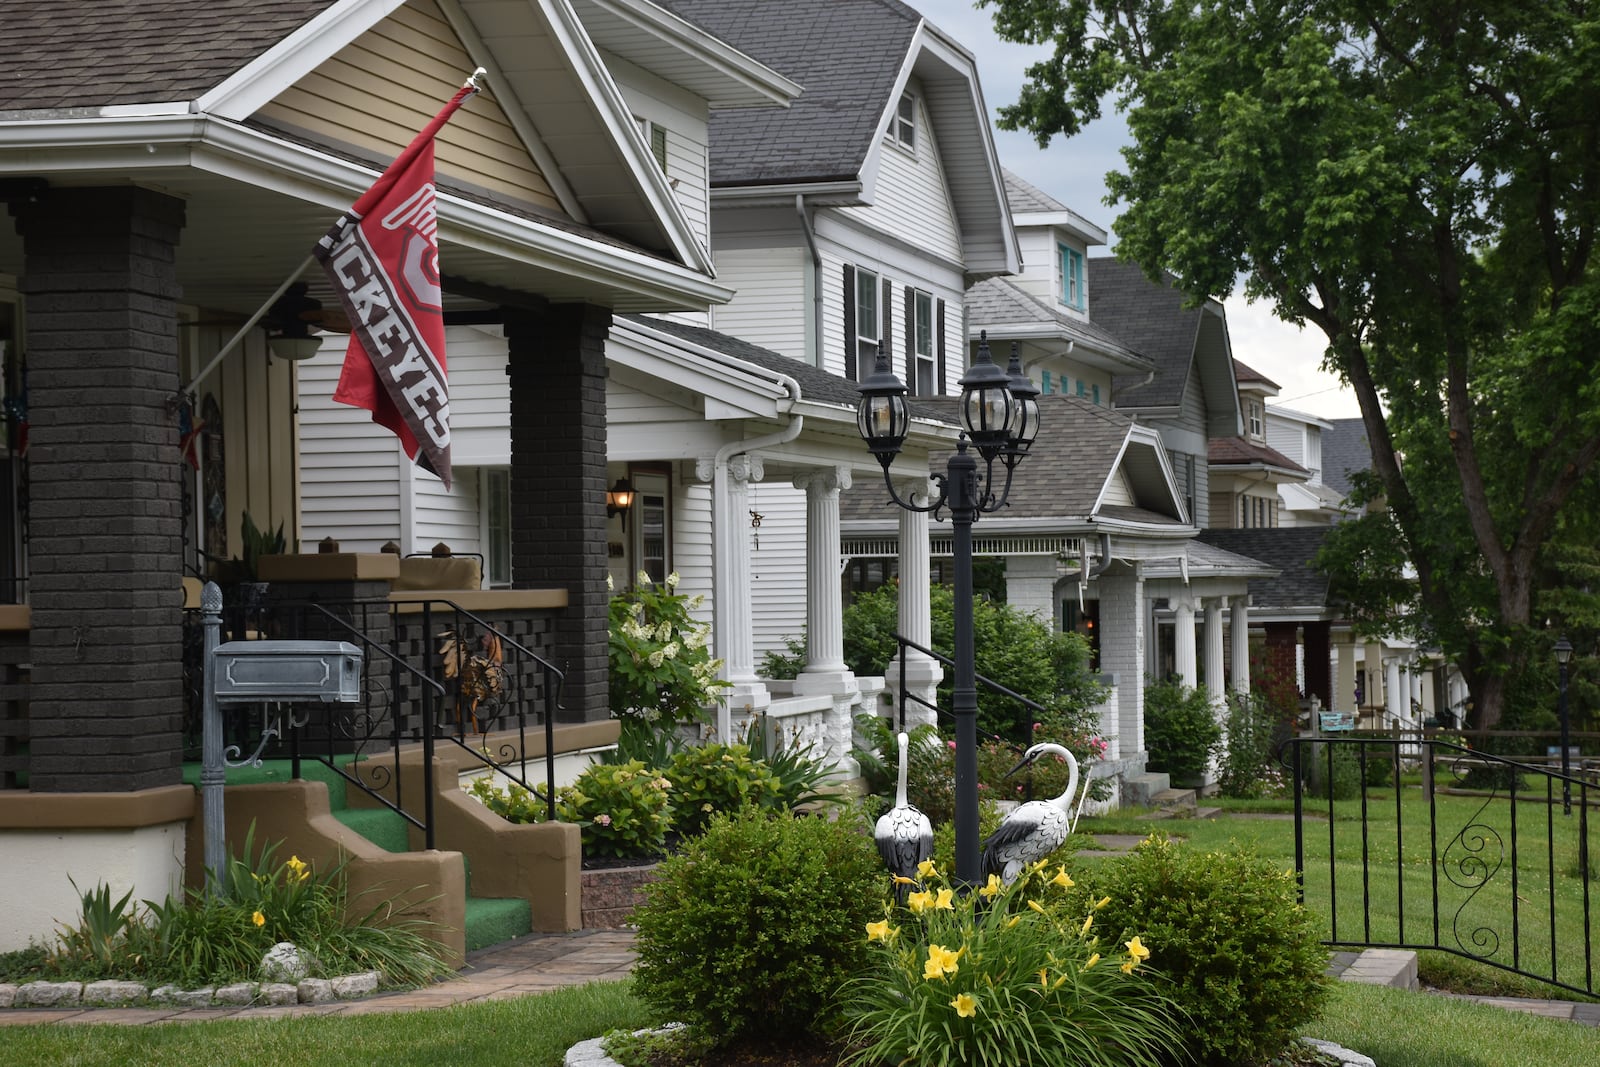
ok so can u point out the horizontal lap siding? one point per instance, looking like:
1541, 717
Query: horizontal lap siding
387, 84
771, 300
777, 566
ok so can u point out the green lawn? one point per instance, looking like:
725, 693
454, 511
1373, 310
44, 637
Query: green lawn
1494, 902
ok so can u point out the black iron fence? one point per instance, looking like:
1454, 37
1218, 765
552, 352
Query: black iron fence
1488, 858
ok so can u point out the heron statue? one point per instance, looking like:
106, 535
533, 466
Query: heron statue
1037, 828
904, 835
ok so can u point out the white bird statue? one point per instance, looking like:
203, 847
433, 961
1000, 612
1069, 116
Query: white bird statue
904, 835
1035, 829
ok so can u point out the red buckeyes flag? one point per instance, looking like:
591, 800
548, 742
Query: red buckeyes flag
383, 258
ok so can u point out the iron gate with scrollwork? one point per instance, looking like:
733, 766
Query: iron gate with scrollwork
1487, 858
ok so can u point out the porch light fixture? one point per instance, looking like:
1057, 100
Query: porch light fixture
619, 500
999, 419
294, 348
289, 321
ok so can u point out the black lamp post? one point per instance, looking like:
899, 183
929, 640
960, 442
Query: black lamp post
1564, 657
1000, 418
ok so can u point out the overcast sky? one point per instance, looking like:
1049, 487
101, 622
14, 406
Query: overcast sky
1073, 171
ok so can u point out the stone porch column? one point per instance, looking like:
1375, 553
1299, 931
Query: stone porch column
825, 671
1239, 642
732, 631
1344, 687
1122, 653
922, 672
99, 287
1183, 641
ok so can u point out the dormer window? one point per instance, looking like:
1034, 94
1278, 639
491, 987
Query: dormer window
1069, 266
903, 128
1253, 408
656, 137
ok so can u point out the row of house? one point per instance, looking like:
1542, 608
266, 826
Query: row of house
672, 234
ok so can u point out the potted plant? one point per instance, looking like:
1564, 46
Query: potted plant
242, 573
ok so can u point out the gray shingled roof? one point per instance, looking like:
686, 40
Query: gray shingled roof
1150, 319
94, 53
1029, 199
1209, 561
816, 385
1299, 584
999, 301
1062, 477
846, 63
1344, 450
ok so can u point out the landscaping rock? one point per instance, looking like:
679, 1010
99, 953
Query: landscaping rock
182, 998
112, 992
315, 991
240, 993
351, 986
8, 995
284, 962
279, 994
49, 994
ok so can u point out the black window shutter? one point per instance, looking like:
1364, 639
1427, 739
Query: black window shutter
938, 332
886, 304
850, 322
911, 339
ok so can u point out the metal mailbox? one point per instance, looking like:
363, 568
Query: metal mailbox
256, 672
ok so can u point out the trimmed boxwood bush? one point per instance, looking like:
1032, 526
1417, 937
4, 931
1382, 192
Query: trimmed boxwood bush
1226, 931
715, 777
753, 925
1180, 730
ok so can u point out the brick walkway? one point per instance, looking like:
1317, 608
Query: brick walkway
533, 964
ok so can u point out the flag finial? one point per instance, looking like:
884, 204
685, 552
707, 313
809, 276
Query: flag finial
472, 81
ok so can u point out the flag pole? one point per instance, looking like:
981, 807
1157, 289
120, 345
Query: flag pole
190, 389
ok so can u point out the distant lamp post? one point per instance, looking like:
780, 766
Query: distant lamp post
1564, 657
999, 419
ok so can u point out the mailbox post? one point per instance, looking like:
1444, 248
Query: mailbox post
258, 672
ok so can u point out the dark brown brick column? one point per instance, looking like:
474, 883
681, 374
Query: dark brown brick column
1318, 637
99, 286
1281, 639
558, 485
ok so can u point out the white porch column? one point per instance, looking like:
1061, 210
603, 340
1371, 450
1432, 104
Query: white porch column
825, 671
1183, 641
1213, 638
732, 633
1372, 664
1396, 688
1344, 678
922, 672
1239, 642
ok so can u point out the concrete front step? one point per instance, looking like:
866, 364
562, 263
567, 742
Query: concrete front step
1393, 967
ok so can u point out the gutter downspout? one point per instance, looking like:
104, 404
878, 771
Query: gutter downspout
816, 279
728, 573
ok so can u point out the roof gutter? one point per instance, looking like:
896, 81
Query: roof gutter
810, 232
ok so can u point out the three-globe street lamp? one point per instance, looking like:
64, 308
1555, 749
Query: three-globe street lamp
999, 419
1564, 657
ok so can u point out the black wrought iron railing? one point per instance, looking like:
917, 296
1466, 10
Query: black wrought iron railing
1428, 844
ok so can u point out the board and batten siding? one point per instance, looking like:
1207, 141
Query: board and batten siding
910, 197
379, 90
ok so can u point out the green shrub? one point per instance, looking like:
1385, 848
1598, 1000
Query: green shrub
803, 779
710, 778
661, 672
788, 664
750, 928
1014, 649
1248, 768
1004, 975
1181, 730
1235, 949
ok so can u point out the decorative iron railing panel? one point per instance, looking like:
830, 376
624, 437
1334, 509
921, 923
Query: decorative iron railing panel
1487, 858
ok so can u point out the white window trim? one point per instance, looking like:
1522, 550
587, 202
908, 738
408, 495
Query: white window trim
903, 131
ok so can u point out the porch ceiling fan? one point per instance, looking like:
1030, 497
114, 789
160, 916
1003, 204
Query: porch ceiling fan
292, 319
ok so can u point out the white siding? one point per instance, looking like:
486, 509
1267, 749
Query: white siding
449, 517
772, 300
691, 545
1038, 249
777, 566
684, 116
349, 466
1117, 491
1287, 437
910, 197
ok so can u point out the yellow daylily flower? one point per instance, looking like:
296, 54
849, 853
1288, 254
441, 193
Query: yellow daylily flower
1014, 920
1036, 906
1102, 902
941, 961
926, 869
901, 879
880, 931
993, 887
1136, 950
259, 919
1088, 921
1062, 879
964, 1005
1128, 965
945, 900
920, 901
1091, 961
1044, 977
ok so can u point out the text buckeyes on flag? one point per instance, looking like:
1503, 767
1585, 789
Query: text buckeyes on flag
383, 259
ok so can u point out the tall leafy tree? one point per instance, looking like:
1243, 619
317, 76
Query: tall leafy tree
1419, 180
